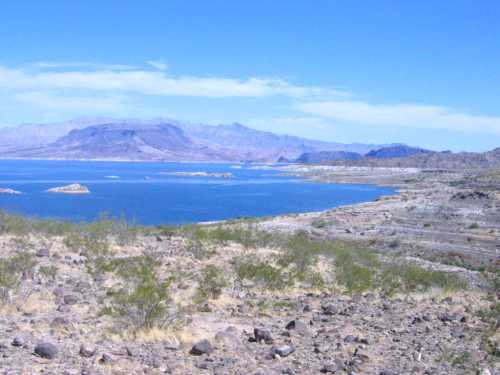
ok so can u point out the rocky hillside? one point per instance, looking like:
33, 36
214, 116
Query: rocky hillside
167, 140
323, 156
396, 151
436, 160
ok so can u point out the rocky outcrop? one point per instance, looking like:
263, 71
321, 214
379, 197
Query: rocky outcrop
70, 189
202, 174
9, 191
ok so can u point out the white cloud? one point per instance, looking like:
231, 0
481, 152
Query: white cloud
79, 64
402, 116
160, 65
52, 101
155, 83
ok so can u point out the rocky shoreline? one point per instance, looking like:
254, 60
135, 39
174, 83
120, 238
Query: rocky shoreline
402, 285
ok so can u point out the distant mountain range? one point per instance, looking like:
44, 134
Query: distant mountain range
172, 140
406, 156
160, 140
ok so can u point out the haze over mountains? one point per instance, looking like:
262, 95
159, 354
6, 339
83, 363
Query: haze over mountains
160, 140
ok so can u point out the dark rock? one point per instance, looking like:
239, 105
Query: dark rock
262, 335
329, 369
329, 309
70, 299
59, 321
202, 347
297, 325
105, 358
350, 339
87, 351
18, 341
46, 350
44, 252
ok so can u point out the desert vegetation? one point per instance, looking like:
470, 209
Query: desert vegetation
158, 284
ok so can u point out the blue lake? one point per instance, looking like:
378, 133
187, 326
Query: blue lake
145, 193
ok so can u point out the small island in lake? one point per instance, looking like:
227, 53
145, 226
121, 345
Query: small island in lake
9, 191
201, 174
70, 189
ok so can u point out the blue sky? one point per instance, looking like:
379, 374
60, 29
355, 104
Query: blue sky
420, 72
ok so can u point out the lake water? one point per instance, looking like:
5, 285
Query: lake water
145, 195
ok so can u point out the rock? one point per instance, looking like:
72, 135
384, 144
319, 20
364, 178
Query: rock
350, 339
329, 309
105, 358
262, 335
387, 372
9, 191
59, 321
87, 351
283, 350
44, 252
202, 347
70, 189
18, 341
297, 325
70, 299
46, 350
329, 369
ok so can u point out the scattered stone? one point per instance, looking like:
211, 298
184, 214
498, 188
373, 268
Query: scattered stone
202, 347
329, 309
105, 359
18, 341
43, 252
283, 350
297, 325
46, 350
329, 369
70, 299
262, 335
87, 351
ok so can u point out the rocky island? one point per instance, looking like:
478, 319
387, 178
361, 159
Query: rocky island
70, 189
201, 174
9, 191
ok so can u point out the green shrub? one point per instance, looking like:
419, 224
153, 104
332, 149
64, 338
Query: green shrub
260, 272
12, 271
48, 272
143, 301
211, 284
299, 252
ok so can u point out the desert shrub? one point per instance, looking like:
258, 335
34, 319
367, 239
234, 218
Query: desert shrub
473, 226
20, 225
354, 277
12, 271
244, 235
262, 273
319, 223
299, 252
211, 284
142, 303
48, 272
198, 249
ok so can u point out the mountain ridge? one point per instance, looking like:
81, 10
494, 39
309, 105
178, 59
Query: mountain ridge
159, 140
